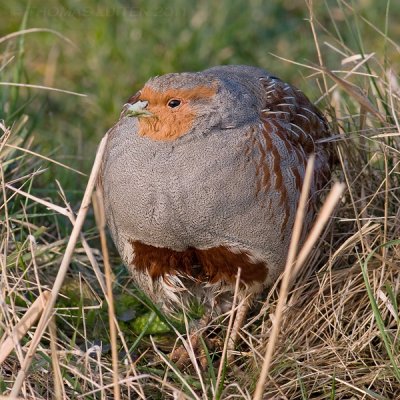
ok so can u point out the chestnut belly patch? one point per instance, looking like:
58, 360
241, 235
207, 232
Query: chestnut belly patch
207, 265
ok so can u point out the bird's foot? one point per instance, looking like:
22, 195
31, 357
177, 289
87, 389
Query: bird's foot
195, 351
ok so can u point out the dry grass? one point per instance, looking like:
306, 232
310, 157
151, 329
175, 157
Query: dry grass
333, 335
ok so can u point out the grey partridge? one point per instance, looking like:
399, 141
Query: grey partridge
202, 176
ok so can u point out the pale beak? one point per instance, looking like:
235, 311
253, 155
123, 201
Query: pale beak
137, 109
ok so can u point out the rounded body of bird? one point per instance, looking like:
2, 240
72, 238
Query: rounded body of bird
205, 179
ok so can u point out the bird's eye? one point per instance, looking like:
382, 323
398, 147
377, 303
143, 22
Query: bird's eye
173, 103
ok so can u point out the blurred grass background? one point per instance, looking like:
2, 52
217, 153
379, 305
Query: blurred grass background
115, 46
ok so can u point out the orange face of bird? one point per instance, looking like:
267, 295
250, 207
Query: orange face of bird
166, 115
